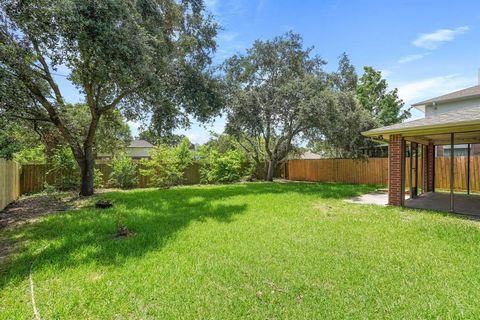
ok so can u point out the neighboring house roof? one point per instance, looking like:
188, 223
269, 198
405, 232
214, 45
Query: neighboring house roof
462, 120
464, 94
308, 155
140, 144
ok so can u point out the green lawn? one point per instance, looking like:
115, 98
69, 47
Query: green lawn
264, 250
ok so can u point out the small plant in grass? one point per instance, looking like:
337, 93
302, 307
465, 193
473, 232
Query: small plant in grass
122, 229
124, 172
49, 189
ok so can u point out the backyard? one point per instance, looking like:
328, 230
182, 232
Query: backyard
251, 250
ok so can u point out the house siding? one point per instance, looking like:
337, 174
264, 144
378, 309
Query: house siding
440, 108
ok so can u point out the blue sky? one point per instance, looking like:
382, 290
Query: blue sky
424, 48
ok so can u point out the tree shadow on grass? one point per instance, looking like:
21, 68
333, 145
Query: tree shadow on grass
154, 217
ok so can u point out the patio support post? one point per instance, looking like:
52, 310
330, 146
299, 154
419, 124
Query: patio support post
431, 167
396, 170
468, 168
452, 172
411, 169
415, 190
424, 168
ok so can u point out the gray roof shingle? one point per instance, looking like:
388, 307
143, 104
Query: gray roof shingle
467, 93
456, 117
140, 144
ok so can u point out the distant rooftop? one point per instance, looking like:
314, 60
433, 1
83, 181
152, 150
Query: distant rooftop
140, 144
463, 94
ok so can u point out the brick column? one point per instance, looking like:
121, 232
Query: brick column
396, 170
430, 168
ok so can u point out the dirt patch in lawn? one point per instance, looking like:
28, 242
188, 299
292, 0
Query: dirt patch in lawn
29, 208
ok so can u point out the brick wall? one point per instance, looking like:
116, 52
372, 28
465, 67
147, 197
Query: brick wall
396, 153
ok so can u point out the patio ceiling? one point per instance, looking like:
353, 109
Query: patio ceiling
444, 139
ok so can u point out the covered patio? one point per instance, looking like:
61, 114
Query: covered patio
412, 155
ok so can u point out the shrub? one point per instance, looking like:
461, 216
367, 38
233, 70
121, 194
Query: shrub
222, 168
65, 169
167, 165
163, 167
124, 172
32, 155
97, 178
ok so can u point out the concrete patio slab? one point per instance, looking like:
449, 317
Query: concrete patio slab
464, 204
377, 198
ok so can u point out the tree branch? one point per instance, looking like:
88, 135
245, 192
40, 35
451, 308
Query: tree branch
48, 76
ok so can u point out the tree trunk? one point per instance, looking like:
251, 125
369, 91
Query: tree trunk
265, 171
271, 169
87, 165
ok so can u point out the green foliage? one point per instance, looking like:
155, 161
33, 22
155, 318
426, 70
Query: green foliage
16, 136
112, 134
124, 172
49, 189
31, 155
64, 169
222, 168
136, 56
97, 178
167, 165
373, 95
184, 154
272, 95
351, 106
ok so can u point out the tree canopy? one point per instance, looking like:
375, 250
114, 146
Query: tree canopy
271, 94
373, 95
351, 106
133, 55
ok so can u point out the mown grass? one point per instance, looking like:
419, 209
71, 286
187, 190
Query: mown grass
265, 250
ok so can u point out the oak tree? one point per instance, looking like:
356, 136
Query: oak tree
136, 56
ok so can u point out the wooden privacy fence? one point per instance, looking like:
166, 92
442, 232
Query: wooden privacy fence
34, 176
372, 171
9, 182
442, 173
375, 171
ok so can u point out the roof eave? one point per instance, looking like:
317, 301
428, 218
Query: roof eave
464, 126
431, 102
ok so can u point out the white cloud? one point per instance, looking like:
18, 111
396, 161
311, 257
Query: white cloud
260, 6
433, 40
386, 72
423, 89
413, 57
228, 36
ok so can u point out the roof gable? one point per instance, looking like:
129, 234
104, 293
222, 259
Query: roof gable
464, 94
140, 144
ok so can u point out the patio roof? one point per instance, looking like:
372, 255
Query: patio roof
436, 128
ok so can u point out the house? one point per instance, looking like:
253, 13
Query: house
466, 98
451, 126
137, 149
